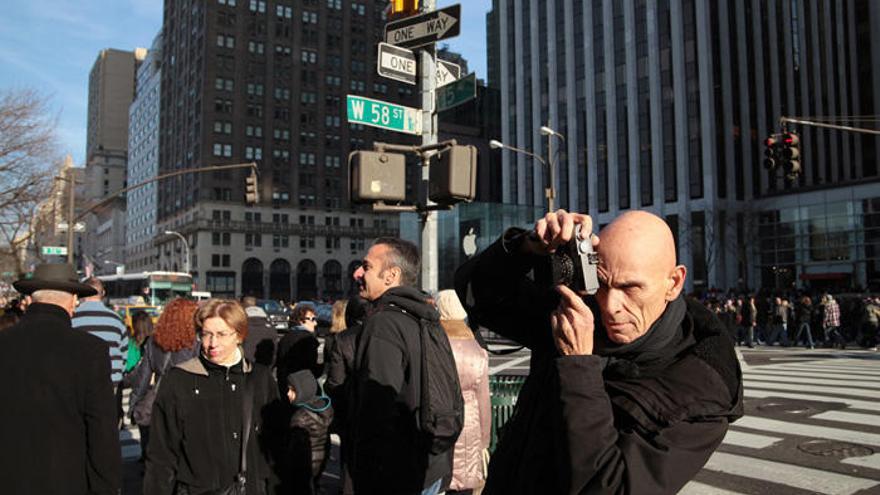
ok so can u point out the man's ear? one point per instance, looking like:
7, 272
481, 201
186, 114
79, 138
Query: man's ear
675, 282
392, 275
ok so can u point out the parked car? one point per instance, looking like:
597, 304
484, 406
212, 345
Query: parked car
279, 316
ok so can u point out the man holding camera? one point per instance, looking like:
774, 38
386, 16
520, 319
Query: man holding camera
636, 406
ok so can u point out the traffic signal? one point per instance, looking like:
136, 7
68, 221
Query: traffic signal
251, 189
453, 177
791, 154
772, 148
403, 8
377, 176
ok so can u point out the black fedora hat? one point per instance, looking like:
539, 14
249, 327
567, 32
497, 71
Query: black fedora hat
54, 276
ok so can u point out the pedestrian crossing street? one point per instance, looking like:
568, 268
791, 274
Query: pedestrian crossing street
129, 436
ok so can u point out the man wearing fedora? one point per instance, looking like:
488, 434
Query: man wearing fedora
57, 410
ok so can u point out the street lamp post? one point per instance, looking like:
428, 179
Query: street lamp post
551, 166
185, 248
550, 190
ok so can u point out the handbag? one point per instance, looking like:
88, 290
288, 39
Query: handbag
142, 412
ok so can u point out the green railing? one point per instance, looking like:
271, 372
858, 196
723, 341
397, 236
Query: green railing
504, 390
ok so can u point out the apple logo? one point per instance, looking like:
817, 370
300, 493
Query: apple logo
469, 243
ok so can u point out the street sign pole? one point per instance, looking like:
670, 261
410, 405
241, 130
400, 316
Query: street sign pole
429, 136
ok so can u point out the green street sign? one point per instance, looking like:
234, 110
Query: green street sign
384, 115
457, 92
55, 250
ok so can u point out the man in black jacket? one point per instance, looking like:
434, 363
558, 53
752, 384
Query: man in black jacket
58, 416
389, 455
637, 406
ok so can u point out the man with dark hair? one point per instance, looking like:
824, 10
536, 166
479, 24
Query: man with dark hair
388, 454
57, 419
94, 317
629, 391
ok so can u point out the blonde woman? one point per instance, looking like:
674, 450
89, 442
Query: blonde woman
472, 362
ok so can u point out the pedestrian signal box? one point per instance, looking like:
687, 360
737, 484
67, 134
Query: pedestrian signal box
453, 177
251, 189
377, 176
403, 8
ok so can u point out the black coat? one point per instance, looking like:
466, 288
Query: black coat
308, 444
389, 455
340, 370
58, 421
598, 424
297, 350
197, 428
259, 346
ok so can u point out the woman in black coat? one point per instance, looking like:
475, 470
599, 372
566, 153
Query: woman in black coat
199, 419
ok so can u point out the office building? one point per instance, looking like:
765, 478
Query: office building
266, 82
143, 163
664, 106
111, 91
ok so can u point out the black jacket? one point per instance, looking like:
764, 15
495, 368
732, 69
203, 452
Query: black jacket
307, 446
197, 428
297, 350
340, 370
389, 454
259, 345
58, 421
154, 361
602, 423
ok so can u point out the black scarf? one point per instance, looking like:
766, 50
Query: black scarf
655, 350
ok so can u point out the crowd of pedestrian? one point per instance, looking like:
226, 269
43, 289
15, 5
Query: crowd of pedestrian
808, 318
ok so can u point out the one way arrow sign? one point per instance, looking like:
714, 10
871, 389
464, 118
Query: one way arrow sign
424, 29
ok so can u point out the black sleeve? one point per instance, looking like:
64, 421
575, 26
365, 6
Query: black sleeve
162, 452
605, 460
495, 288
140, 376
104, 457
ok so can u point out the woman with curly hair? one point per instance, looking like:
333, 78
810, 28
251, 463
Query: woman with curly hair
209, 413
173, 342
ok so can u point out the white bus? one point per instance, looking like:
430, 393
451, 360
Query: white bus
157, 288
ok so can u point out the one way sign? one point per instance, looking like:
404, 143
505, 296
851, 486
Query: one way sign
424, 29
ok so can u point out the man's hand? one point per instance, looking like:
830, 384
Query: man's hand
572, 324
556, 229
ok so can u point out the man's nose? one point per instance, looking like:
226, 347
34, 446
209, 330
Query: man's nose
358, 273
613, 301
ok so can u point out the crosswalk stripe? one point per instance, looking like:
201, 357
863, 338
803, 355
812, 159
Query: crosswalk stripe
866, 394
869, 461
838, 378
849, 417
509, 364
861, 385
864, 405
812, 480
805, 430
697, 488
749, 440
825, 369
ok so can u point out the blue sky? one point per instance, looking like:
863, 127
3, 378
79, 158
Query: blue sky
50, 46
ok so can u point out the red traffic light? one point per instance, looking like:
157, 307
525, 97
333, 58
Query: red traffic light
791, 139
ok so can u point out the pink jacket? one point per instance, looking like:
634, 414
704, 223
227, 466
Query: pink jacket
473, 373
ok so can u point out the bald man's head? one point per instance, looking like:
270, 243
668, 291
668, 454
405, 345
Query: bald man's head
638, 274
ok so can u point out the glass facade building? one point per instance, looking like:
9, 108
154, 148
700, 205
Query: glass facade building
665, 105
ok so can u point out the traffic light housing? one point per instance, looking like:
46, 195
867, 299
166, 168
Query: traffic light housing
377, 176
251, 189
791, 154
453, 176
772, 146
403, 8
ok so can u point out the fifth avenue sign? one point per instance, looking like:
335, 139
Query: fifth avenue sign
424, 29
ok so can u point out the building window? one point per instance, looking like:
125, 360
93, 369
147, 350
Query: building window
258, 6
225, 41
253, 240
256, 47
280, 241
307, 241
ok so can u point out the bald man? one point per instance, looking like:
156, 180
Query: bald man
634, 401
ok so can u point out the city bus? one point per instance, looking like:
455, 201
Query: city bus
156, 288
